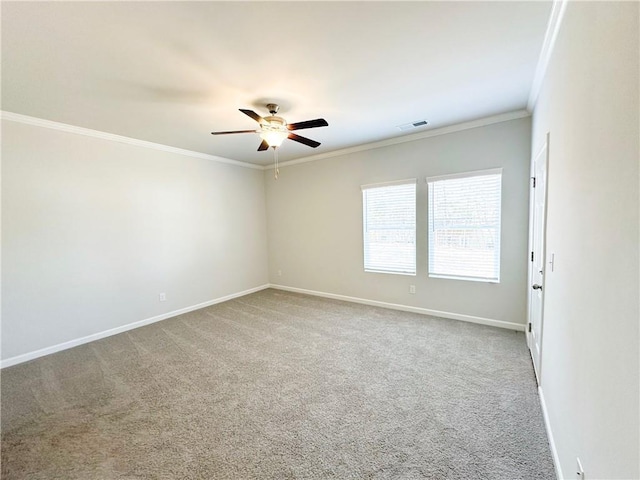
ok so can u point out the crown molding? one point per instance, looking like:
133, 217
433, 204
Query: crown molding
553, 27
39, 122
481, 122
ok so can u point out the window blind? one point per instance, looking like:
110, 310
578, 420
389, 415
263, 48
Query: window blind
389, 221
464, 225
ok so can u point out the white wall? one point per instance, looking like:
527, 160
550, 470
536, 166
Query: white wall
589, 104
315, 221
93, 230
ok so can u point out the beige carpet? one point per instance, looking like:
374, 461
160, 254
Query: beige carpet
277, 385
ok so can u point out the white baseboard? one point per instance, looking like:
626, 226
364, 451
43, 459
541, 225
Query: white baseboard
552, 443
114, 331
406, 308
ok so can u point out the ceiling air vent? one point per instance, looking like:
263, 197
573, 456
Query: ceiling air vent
412, 125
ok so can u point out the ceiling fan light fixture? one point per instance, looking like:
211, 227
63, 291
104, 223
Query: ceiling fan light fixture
274, 131
274, 139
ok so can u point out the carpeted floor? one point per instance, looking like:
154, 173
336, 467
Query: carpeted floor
278, 385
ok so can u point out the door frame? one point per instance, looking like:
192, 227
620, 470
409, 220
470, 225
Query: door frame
543, 150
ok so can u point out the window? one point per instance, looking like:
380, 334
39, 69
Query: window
389, 221
464, 225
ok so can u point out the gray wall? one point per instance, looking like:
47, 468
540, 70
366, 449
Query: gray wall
315, 221
589, 105
93, 230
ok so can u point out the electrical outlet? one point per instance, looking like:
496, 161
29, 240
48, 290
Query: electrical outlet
579, 470
412, 289
279, 273
162, 297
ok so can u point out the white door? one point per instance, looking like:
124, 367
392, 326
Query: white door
538, 214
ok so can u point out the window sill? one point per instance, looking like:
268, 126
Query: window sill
389, 272
469, 279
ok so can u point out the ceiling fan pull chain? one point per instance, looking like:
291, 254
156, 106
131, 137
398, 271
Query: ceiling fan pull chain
276, 169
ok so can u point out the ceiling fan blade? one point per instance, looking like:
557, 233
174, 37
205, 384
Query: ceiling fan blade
304, 140
263, 146
233, 131
318, 122
253, 115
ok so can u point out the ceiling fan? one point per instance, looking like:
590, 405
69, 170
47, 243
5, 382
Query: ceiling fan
273, 130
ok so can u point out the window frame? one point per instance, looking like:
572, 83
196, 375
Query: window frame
368, 267
498, 225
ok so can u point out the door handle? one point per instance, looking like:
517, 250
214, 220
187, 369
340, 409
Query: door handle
536, 286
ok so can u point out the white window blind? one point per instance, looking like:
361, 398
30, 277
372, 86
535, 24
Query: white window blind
389, 221
464, 225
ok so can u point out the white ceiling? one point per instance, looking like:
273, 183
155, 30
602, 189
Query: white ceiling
172, 72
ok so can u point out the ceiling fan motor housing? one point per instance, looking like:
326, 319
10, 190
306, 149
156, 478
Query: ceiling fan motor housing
276, 123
